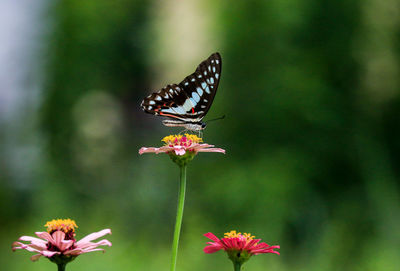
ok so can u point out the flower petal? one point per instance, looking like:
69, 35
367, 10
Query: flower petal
36, 257
147, 150
211, 236
29, 247
211, 150
179, 150
45, 235
49, 254
212, 248
32, 239
93, 236
86, 245
58, 237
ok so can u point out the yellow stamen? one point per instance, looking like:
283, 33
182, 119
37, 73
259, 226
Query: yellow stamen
177, 139
65, 225
234, 234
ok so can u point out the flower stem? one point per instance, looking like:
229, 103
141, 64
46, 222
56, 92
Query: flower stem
61, 266
179, 215
237, 266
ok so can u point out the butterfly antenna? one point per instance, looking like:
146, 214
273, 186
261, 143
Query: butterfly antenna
220, 118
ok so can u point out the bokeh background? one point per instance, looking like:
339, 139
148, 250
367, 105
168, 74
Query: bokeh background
310, 90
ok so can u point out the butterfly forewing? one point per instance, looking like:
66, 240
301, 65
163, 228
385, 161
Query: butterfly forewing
201, 86
191, 99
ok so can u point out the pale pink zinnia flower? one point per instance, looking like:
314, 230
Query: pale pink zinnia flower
240, 247
182, 148
181, 144
58, 242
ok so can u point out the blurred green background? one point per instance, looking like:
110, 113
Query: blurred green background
310, 90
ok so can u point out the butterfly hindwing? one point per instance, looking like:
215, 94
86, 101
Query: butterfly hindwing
191, 99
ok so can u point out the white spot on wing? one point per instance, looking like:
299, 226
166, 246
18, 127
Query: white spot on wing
203, 84
196, 97
213, 69
200, 91
212, 80
171, 91
152, 102
216, 75
205, 72
186, 83
188, 105
217, 61
158, 98
192, 101
207, 90
209, 68
193, 79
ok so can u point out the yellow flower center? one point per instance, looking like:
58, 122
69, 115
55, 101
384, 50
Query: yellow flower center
181, 140
233, 234
65, 225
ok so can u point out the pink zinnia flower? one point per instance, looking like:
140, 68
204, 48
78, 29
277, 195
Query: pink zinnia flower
240, 247
181, 148
58, 242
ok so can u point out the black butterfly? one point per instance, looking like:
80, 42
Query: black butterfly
187, 103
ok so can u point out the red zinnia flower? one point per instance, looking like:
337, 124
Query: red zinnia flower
240, 247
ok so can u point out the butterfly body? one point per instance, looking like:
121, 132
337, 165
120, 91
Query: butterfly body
191, 126
185, 104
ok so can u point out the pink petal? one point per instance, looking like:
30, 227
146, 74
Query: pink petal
179, 150
19, 245
163, 149
211, 236
260, 251
45, 235
78, 251
75, 251
212, 248
206, 148
264, 248
36, 257
212, 150
37, 248
251, 243
32, 239
93, 236
89, 245
49, 254
58, 237
147, 150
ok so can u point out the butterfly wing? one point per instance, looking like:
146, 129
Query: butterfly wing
192, 98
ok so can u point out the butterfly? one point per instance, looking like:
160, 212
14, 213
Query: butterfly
185, 104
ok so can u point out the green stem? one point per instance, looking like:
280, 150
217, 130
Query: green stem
179, 215
237, 266
61, 266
